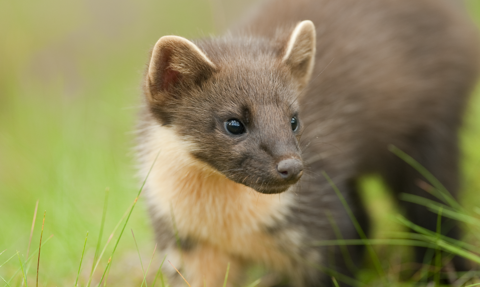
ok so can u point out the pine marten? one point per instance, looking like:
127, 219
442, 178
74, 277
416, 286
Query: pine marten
244, 128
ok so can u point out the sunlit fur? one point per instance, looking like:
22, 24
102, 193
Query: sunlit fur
385, 72
226, 219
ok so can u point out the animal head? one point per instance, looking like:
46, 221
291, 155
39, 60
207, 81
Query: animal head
236, 101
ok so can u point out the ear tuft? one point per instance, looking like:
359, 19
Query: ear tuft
176, 62
300, 52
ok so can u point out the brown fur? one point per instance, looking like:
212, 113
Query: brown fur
385, 72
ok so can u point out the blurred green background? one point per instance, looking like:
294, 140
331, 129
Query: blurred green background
70, 74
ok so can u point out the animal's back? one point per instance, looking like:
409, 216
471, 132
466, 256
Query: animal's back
385, 72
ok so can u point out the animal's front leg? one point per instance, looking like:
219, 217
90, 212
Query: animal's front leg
202, 265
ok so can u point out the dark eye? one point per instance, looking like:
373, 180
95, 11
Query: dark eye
294, 123
234, 126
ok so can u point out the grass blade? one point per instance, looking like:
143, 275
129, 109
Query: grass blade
81, 259
254, 283
7, 260
422, 233
131, 209
335, 282
26, 261
425, 233
370, 242
31, 230
436, 206
4, 281
343, 249
226, 275
40, 246
23, 272
31, 235
359, 229
148, 267
159, 272
458, 251
421, 237
438, 255
138, 252
339, 276
106, 277
102, 225
180, 274
440, 191
441, 242
104, 272
107, 243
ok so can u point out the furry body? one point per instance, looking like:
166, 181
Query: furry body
385, 72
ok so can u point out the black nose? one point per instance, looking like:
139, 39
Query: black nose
290, 168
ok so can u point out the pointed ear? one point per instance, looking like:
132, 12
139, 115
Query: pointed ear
176, 63
300, 52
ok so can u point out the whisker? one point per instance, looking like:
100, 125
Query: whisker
321, 72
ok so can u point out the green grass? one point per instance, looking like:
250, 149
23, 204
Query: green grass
70, 74
70, 77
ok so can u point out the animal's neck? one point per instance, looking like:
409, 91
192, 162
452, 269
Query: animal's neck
202, 199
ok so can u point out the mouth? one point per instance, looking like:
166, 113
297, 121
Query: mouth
267, 186
271, 189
